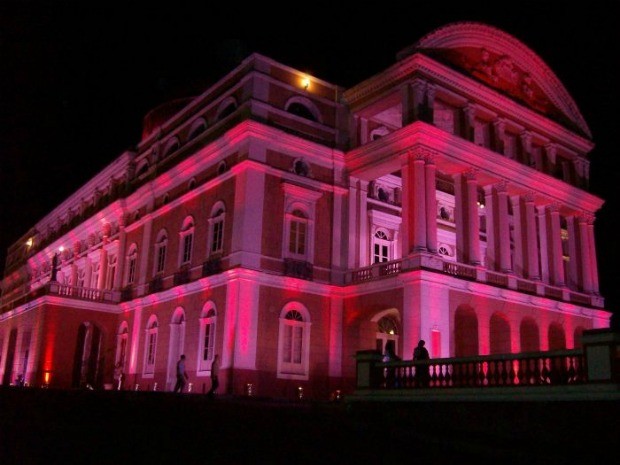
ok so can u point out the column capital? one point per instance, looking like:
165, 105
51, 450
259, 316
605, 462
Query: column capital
554, 207
585, 217
501, 186
470, 174
529, 197
499, 124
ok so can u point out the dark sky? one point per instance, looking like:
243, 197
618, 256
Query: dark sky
74, 85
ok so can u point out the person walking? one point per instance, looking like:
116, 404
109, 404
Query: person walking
215, 370
181, 375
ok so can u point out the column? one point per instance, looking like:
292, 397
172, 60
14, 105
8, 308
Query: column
414, 203
247, 234
353, 229
431, 204
518, 236
364, 252
120, 260
460, 218
145, 251
593, 259
503, 227
469, 118
336, 327
533, 267
499, 127
526, 147
492, 258
473, 220
544, 248
429, 109
573, 279
586, 261
555, 239
103, 265
550, 155
413, 101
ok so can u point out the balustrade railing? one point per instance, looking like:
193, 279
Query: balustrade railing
84, 293
531, 369
436, 263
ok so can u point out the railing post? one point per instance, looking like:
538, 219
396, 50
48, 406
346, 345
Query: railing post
602, 353
368, 375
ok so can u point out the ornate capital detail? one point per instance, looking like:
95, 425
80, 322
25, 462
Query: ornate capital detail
554, 207
529, 197
470, 174
585, 217
501, 186
499, 124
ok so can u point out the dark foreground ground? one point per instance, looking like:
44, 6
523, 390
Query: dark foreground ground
107, 427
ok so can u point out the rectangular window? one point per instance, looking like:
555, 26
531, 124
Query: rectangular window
187, 248
161, 258
110, 276
218, 237
150, 360
297, 240
132, 270
207, 352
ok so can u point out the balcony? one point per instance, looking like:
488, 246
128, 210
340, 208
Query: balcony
437, 264
84, 293
298, 269
211, 267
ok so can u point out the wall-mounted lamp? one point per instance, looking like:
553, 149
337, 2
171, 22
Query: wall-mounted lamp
305, 83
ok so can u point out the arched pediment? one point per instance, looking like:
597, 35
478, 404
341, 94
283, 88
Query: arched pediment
503, 62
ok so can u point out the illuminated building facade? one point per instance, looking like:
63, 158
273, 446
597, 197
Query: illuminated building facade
285, 223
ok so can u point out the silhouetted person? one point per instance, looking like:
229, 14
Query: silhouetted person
215, 371
181, 375
422, 373
390, 356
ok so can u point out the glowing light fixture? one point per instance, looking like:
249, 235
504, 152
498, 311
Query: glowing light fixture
61, 249
305, 83
46, 378
29, 242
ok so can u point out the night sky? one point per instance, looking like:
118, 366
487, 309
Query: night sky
75, 85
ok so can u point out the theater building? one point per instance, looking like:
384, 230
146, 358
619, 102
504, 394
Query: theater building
285, 223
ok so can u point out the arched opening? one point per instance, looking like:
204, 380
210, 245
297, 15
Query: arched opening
387, 331
499, 332
465, 332
577, 337
529, 335
87, 362
557, 338
177, 344
299, 109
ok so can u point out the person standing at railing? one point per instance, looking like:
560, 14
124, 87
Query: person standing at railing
390, 356
422, 373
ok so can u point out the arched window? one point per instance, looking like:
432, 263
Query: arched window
381, 247
206, 346
161, 246
222, 167
171, 146
294, 342
186, 240
387, 330
191, 184
226, 108
299, 218
122, 338
216, 229
150, 346
132, 264
304, 108
199, 126
110, 276
176, 345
